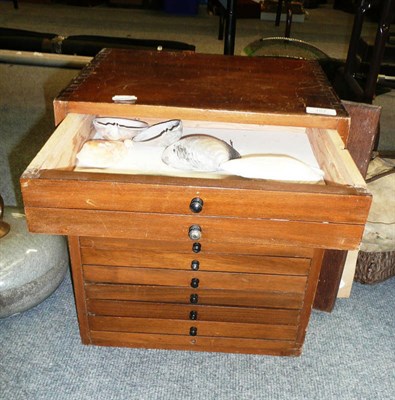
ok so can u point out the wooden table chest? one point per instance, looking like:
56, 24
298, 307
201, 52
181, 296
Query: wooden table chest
246, 282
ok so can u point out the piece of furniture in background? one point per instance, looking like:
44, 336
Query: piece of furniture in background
227, 10
288, 20
347, 84
363, 133
82, 45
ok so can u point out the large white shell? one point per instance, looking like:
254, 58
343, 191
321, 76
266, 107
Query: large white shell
198, 153
118, 128
277, 167
162, 134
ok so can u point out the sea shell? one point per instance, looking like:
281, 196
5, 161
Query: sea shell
199, 153
118, 128
163, 134
279, 167
103, 153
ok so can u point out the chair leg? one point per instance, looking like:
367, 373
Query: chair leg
289, 20
16, 6
278, 13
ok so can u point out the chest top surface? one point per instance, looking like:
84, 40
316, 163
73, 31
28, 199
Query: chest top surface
202, 83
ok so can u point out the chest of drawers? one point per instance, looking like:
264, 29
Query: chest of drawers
195, 263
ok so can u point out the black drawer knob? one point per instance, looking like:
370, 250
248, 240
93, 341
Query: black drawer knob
195, 232
195, 264
195, 283
193, 331
194, 298
196, 205
193, 315
196, 247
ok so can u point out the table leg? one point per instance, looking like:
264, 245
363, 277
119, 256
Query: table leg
230, 27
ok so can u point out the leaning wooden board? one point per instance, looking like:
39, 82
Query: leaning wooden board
248, 283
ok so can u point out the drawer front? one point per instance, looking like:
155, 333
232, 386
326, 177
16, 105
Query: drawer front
196, 343
246, 199
186, 246
194, 279
202, 261
192, 328
218, 297
248, 232
191, 312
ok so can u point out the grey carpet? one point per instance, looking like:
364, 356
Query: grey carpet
348, 354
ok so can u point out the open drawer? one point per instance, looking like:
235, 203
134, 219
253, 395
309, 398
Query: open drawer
61, 198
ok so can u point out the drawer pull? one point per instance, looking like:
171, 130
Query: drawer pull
196, 205
196, 247
195, 283
193, 315
194, 298
193, 331
195, 264
195, 232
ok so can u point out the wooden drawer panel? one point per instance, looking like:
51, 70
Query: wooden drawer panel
151, 194
203, 328
207, 280
207, 262
172, 246
183, 342
182, 312
179, 295
175, 227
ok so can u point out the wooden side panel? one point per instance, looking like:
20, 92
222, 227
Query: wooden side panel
79, 289
311, 287
60, 150
334, 158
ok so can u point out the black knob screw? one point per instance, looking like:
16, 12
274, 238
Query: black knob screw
195, 264
193, 331
196, 205
196, 247
194, 298
195, 283
193, 315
